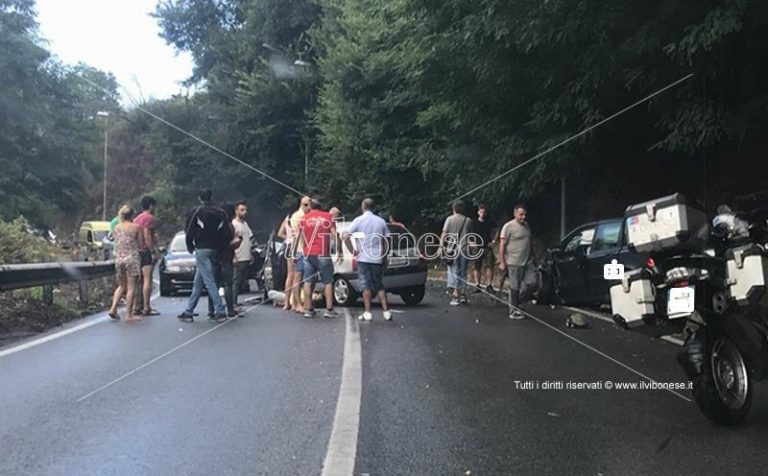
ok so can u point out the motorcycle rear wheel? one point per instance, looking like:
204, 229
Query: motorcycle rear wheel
723, 391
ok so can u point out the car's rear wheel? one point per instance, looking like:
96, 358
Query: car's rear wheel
413, 296
343, 292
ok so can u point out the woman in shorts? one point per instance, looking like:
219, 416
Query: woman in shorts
129, 239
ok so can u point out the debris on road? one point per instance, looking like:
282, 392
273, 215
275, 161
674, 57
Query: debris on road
576, 321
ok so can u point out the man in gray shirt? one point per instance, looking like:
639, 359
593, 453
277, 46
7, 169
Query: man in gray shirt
516, 256
454, 248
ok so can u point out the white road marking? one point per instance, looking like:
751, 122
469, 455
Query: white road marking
50, 337
63, 333
342, 447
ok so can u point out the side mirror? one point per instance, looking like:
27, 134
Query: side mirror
162, 249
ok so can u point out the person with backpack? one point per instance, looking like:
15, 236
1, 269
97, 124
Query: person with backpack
454, 249
208, 233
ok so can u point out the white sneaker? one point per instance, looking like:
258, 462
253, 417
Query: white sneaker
366, 316
387, 315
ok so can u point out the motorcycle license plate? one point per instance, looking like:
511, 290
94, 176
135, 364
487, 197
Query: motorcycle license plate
681, 300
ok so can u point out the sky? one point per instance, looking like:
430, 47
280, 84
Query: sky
117, 36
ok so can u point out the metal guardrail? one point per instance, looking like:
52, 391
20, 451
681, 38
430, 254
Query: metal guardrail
18, 276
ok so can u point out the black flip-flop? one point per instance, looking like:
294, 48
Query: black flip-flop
115, 317
151, 312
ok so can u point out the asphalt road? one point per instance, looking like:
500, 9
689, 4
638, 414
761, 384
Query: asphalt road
258, 395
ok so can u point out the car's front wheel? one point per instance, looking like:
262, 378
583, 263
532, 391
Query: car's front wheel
413, 296
343, 292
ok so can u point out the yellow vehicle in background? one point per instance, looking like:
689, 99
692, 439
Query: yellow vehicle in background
94, 239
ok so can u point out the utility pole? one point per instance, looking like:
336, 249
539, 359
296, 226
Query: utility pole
563, 231
105, 115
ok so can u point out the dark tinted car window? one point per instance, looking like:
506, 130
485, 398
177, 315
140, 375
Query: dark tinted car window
607, 236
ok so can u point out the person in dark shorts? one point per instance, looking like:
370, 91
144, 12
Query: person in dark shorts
318, 231
146, 220
483, 227
370, 231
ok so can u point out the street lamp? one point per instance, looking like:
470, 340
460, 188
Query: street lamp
105, 115
304, 64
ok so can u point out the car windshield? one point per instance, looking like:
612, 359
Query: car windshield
179, 244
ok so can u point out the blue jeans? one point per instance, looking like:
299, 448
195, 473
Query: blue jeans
457, 273
223, 271
205, 279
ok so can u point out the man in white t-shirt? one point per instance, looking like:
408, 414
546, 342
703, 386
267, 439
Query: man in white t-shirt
370, 231
243, 254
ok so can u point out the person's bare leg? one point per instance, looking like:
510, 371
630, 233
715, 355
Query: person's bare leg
307, 304
146, 273
130, 298
476, 276
329, 296
367, 300
288, 284
383, 300
119, 290
489, 276
298, 305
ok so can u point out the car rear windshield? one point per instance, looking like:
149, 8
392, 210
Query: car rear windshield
179, 244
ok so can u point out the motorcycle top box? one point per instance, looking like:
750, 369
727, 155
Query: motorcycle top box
633, 299
663, 223
747, 274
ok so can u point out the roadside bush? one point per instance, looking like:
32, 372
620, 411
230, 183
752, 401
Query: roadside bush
18, 246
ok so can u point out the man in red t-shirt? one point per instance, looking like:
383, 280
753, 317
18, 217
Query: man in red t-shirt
146, 220
318, 231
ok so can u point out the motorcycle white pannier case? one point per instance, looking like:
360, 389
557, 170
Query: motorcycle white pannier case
632, 299
747, 274
663, 223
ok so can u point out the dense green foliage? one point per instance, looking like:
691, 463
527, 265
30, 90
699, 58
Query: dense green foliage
48, 139
412, 101
419, 101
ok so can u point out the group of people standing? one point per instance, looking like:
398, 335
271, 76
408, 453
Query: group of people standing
465, 241
134, 239
218, 236
220, 239
310, 235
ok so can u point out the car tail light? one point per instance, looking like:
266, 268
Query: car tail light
681, 284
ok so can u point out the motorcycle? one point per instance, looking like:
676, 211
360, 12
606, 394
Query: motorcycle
715, 292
